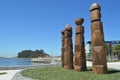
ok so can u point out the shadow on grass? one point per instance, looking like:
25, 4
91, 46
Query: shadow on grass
89, 69
110, 71
113, 71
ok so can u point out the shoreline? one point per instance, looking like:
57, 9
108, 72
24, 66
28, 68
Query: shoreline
26, 66
52, 61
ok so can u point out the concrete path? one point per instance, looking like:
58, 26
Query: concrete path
9, 75
114, 65
18, 76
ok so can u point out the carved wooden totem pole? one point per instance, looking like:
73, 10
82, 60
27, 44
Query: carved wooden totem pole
62, 49
68, 48
79, 52
98, 46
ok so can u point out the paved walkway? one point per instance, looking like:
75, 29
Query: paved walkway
15, 74
114, 65
18, 76
9, 75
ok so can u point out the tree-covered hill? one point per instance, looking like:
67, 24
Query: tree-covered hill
32, 54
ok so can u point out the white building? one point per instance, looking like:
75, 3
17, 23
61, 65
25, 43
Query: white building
88, 48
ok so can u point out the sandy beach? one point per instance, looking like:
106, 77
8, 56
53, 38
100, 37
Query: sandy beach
10, 73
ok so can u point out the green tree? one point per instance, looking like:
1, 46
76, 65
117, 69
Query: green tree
32, 54
108, 48
117, 48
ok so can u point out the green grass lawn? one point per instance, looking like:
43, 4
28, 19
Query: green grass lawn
58, 73
3, 73
113, 61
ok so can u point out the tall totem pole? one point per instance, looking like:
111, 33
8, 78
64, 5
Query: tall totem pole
98, 46
79, 52
68, 48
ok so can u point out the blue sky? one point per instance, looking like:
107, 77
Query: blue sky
37, 24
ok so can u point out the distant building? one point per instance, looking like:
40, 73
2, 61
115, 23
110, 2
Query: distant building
88, 49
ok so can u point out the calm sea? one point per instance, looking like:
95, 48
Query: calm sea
15, 62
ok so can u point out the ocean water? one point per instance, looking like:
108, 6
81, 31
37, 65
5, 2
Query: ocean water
15, 62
